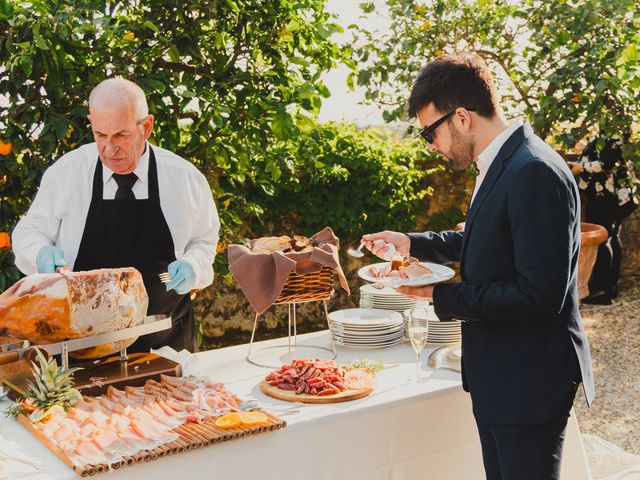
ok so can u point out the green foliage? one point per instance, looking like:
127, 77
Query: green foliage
570, 67
352, 180
446, 219
233, 85
372, 366
9, 274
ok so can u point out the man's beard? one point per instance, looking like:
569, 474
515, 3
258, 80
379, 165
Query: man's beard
460, 155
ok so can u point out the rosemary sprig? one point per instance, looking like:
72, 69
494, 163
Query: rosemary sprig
372, 366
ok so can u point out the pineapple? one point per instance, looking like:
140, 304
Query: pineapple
52, 386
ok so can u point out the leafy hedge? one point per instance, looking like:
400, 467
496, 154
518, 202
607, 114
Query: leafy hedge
353, 180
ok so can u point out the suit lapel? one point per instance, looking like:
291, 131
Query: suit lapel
494, 172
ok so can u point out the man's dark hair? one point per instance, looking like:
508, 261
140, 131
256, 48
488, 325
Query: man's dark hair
452, 81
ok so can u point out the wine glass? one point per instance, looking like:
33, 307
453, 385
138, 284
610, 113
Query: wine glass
417, 331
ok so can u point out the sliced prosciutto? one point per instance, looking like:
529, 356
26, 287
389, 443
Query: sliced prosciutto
121, 423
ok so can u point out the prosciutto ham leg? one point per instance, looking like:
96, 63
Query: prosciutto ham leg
46, 308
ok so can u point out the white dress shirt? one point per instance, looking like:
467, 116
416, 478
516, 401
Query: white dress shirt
486, 157
58, 213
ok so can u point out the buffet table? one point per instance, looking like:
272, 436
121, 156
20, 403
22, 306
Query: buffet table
404, 430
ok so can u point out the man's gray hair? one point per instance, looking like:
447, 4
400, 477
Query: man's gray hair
119, 91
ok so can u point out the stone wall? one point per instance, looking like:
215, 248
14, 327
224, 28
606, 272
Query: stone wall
451, 190
227, 318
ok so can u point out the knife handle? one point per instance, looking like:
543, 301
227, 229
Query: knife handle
9, 357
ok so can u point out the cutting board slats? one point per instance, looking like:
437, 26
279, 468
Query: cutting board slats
191, 435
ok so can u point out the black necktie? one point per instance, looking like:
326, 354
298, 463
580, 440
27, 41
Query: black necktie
125, 182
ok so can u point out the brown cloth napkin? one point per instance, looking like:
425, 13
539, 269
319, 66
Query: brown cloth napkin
262, 276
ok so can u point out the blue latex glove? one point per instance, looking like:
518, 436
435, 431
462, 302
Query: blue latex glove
183, 277
49, 258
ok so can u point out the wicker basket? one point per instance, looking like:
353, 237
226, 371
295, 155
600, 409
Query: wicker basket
308, 287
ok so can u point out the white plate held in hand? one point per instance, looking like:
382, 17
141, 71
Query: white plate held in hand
440, 274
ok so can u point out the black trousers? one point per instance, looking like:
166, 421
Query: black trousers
524, 452
605, 211
606, 269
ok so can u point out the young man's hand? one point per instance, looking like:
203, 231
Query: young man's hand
376, 243
420, 293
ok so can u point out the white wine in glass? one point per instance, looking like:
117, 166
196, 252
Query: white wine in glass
418, 331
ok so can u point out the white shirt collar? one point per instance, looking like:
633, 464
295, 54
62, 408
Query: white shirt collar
486, 157
141, 170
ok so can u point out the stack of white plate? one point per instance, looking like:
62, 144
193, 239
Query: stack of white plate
440, 333
366, 327
386, 298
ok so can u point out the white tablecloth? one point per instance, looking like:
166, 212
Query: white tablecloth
404, 430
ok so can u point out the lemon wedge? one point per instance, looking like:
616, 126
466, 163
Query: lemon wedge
230, 420
252, 418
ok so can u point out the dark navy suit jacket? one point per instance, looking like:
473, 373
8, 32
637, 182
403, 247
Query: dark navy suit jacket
523, 343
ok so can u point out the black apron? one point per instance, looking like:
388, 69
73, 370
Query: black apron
134, 233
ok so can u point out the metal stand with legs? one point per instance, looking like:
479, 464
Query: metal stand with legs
152, 324
297, 348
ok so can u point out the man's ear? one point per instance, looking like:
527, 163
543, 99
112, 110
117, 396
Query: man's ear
89, 118
147, 125
464, 116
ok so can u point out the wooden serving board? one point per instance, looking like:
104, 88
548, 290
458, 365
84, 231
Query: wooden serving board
191, 436
291, 396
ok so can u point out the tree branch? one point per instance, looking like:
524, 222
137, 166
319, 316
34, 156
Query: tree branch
238, 47
496, 58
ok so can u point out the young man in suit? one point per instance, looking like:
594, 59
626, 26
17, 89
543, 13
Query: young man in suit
524, 350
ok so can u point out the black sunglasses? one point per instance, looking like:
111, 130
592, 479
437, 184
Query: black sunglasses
428, 132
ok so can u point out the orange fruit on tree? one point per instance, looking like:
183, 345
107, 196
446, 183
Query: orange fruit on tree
252, 418
230, 420
5, 147
221, 247
5, 241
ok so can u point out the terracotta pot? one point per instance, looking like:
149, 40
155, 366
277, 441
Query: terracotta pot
576, 168
591, 236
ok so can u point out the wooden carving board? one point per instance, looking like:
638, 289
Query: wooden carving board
40, 436
191, 436
291, 396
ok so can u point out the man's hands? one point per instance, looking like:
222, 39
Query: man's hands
417, 292
402, 243
183, 277
375, 242
49, 258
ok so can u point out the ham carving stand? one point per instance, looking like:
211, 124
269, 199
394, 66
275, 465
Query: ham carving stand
96, 376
